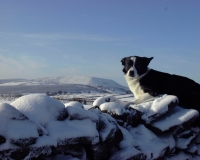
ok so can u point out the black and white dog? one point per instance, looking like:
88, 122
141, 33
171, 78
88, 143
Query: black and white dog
147, 83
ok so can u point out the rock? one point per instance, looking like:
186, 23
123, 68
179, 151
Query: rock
110, 136
181, 156
16, 128
102, 100
39, 127
134, 118
184, 139
40, 109
39, 152
145, 139
175, 117
192, 148
16, 154
77, 113
112, 108
128, 153
116, 111
153, 109
74, 104
103, 149
2, 139
24, 142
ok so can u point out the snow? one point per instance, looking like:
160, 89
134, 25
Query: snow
74, 103
128, 140
147, 139
183, 143
22, 118
174, 117
68, 83
72, 129
80, 113
107, 127
15, 125
12, 83
155, 108
181, 156
109, 98
39, 108
104, 99
87, 106
59, 131
192, 148
113, 108
126, 153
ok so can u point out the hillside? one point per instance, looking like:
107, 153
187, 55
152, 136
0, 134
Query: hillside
65, 84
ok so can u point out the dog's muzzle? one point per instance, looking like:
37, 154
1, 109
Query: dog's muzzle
127, 63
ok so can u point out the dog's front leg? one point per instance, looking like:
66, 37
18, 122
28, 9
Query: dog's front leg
143, 98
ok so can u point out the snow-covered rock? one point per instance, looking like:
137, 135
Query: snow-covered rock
153, 109
74, 104
174, 117
40, 109
15, 128
37, 126
112, 108
104, 99
146, 139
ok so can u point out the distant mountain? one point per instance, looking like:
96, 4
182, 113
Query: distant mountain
9, 80
66, 84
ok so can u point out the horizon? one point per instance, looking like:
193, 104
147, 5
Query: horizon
41, 39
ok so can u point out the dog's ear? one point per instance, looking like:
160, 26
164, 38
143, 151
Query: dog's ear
148, 60
123, 61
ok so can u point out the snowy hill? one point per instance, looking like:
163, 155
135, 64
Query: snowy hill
67, 83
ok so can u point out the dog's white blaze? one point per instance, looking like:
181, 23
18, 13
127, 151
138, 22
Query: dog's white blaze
134, 69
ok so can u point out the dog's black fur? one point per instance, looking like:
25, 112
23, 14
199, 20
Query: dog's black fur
155, 82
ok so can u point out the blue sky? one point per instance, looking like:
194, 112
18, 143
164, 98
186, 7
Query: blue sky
47, 38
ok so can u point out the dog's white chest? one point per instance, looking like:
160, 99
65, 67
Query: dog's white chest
134, 86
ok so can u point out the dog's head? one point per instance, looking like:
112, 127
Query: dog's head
135, 66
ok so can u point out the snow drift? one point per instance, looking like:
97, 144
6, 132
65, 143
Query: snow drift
37, 126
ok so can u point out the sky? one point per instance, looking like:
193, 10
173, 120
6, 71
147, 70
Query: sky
48, 38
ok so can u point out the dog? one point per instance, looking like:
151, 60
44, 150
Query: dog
146, 84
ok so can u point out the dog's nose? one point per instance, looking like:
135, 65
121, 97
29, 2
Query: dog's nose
124, 70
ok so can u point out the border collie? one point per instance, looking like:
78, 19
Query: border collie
146, 83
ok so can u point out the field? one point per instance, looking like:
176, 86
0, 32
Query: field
84, 98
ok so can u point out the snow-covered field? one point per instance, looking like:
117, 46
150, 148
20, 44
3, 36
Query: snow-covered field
37, 125
68, 84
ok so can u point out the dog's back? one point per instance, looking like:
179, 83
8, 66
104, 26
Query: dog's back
187, 90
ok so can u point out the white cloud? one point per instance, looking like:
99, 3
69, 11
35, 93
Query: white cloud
64, 36
20, 67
